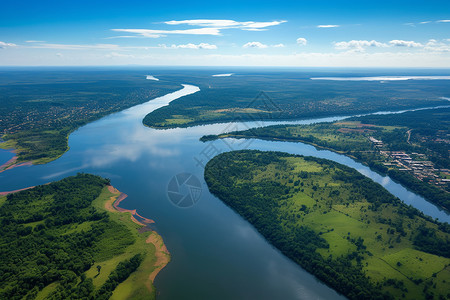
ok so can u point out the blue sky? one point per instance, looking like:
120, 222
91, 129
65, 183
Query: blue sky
254, 33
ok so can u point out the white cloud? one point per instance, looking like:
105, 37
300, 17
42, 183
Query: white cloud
6, 45
302, 41
254, 45
34, 41
191, 46
258, 26
328, 26
150, 33
443, 21
257, 58
278, 46
223, 24
358, 45
208, 27
119, 55
205, 22
402, 43
436, 46
114, 47
121, 37
78, 47
425, 22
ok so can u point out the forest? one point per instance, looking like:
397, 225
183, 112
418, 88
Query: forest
290, 95
41, 108
428, 141
57, 241
337, 224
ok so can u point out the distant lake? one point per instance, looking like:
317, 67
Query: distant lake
383, 78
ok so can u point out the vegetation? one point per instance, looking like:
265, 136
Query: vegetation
57, 241
290, 95
41, 108
421, 135
337, 224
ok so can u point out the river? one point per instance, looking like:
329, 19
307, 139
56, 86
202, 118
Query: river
215, 253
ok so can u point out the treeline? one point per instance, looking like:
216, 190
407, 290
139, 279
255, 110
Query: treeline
429, 192
40, 243
120, 274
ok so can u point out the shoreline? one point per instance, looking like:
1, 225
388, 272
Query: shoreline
12, 162
161, 255
119, 199
15, 191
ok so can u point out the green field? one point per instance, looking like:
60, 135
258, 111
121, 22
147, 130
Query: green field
337, 224
62, 241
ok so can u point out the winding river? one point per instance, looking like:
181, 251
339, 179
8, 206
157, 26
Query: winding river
215, 253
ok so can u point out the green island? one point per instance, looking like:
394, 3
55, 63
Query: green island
40, 109
67, 240
412, 147
289, 95
337, 224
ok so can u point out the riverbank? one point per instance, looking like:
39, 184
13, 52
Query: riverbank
157, 257
11, 146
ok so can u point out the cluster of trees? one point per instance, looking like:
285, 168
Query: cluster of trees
428, 241
429, 192
40, 242
120, 274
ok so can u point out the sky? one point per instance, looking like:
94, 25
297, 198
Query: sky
225, 33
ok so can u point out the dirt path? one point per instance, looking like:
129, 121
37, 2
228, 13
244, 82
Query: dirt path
409, 136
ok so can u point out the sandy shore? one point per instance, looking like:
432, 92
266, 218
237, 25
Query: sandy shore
114, 205
10, 192
161, 253
10, 164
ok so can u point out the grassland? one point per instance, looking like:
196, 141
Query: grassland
67, 240
337, 224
